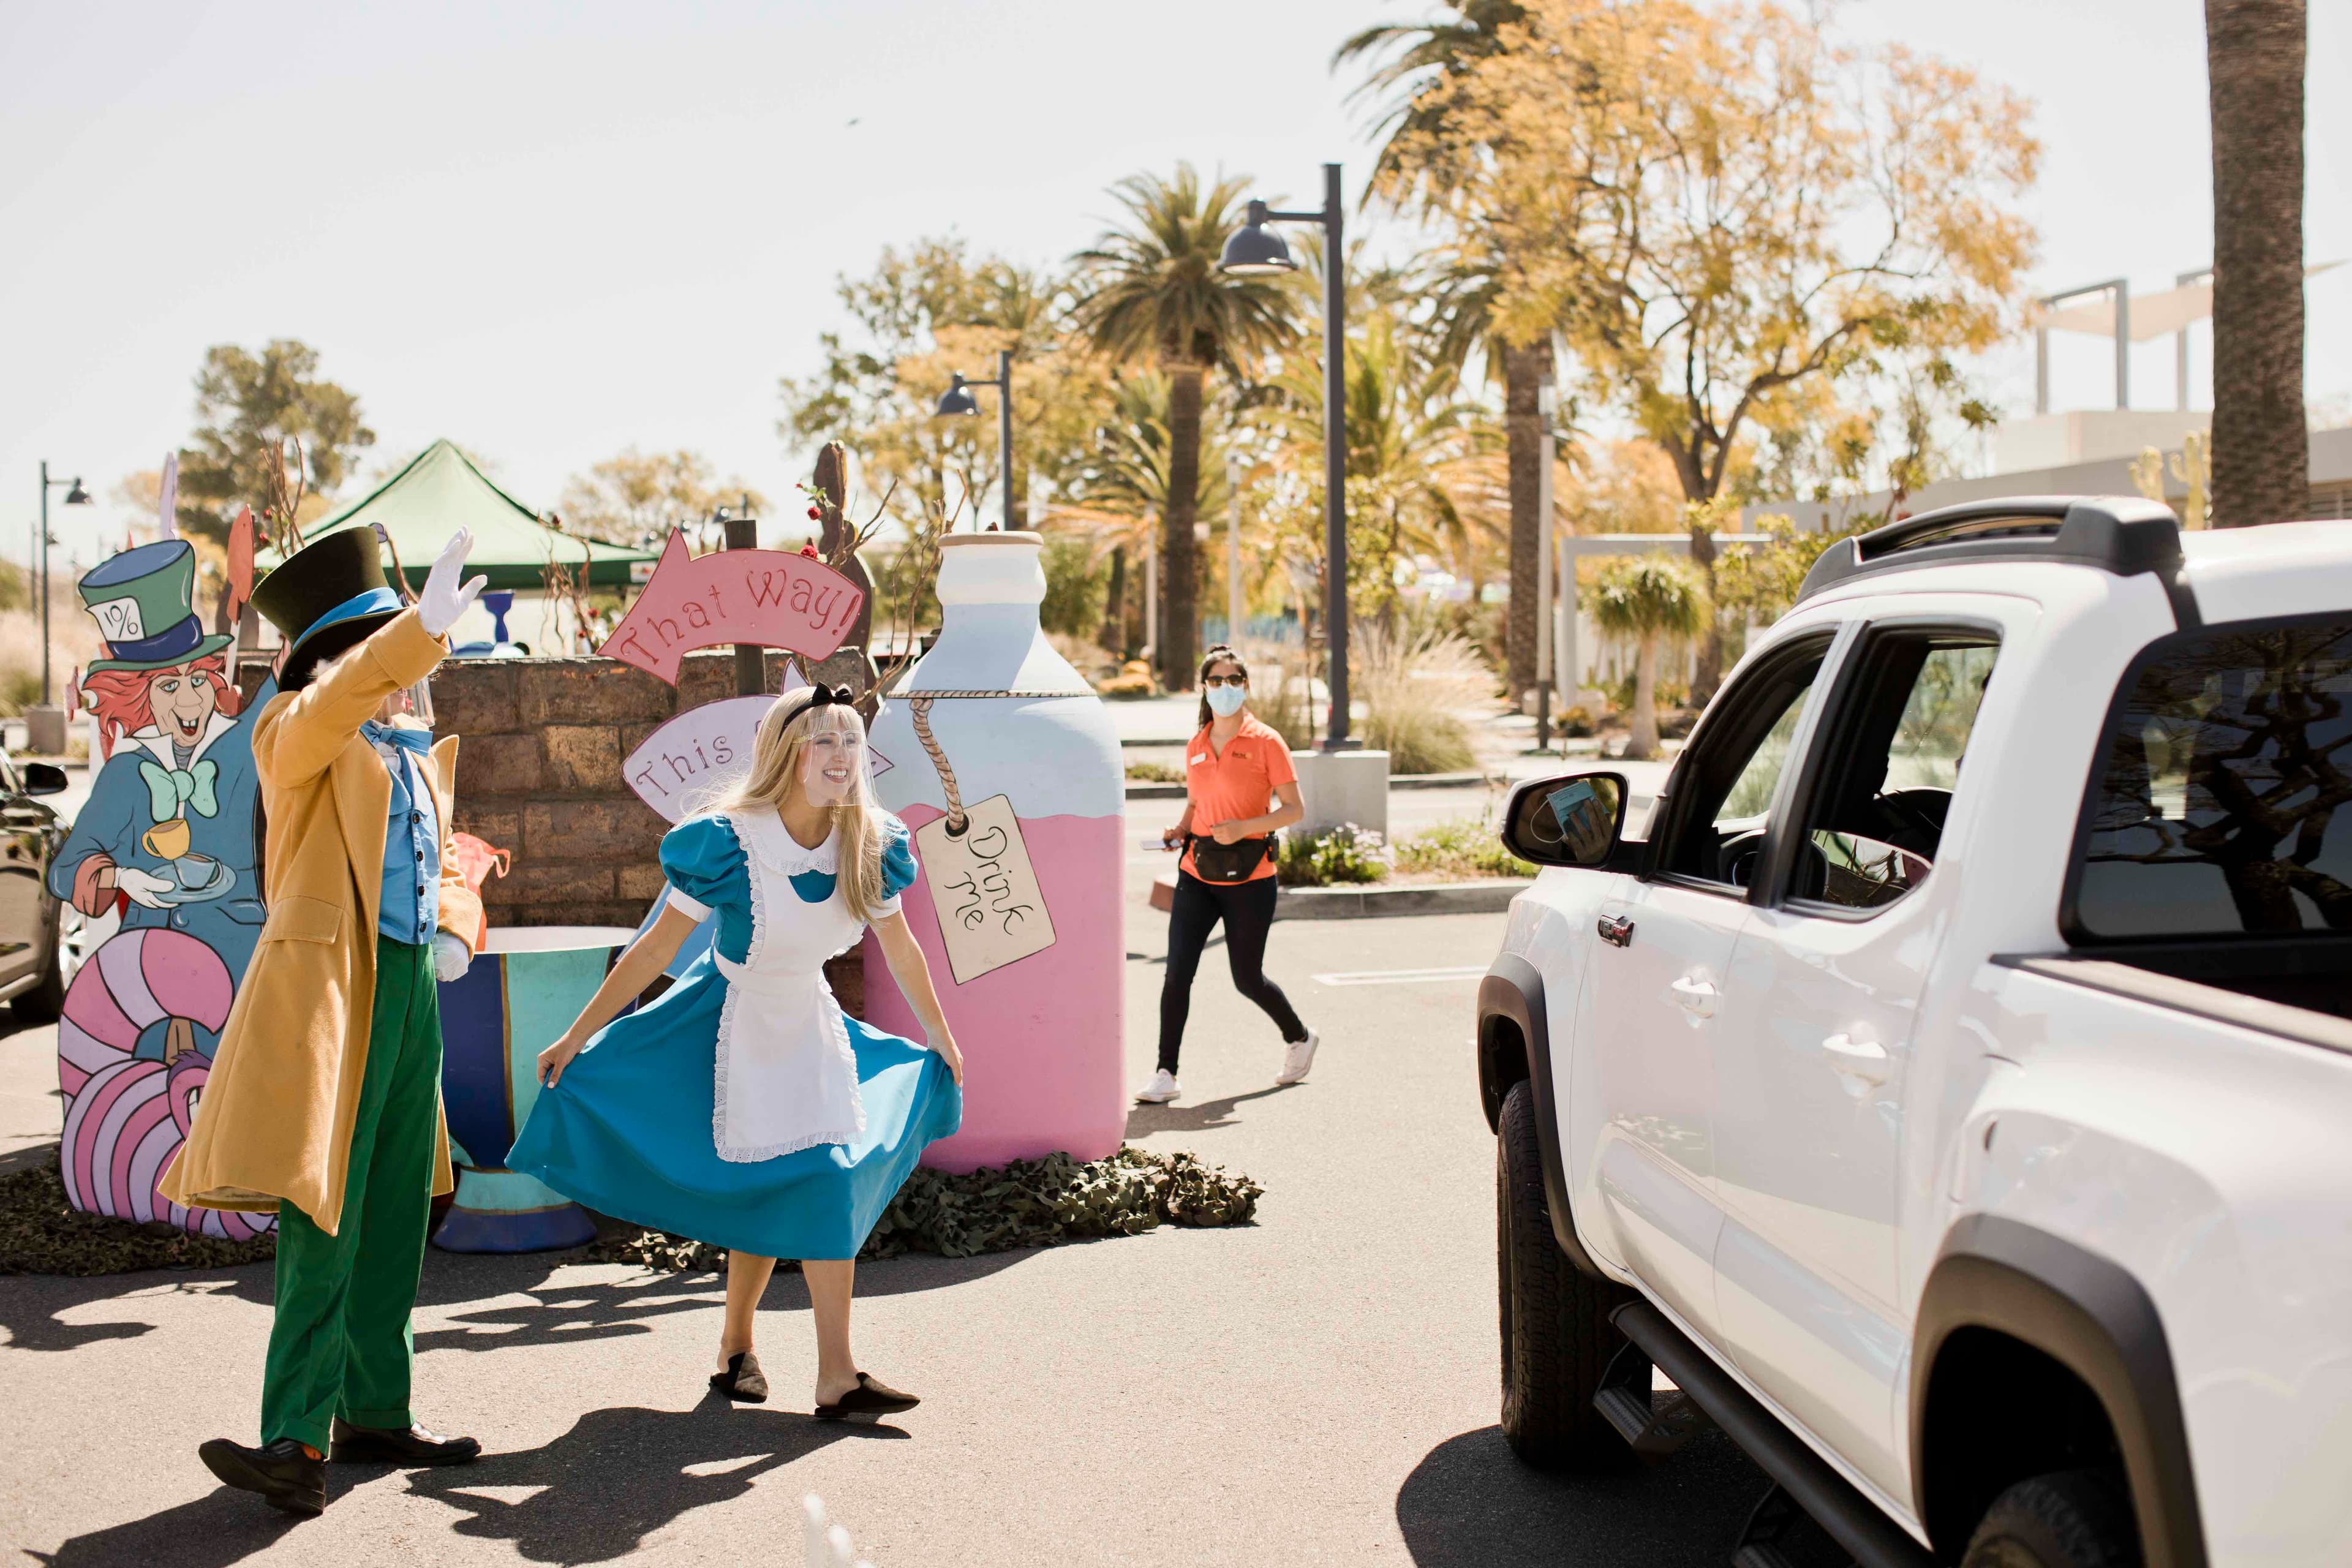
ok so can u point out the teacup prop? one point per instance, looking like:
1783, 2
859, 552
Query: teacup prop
166, 840
524, 989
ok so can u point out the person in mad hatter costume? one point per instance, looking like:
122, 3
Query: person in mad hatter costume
166, 838
324, 1100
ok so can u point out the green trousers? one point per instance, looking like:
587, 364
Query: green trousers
340, 1343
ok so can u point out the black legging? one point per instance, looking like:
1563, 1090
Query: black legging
1247, 910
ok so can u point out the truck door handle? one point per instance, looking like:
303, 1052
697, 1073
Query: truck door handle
1863, 1059
1696, 997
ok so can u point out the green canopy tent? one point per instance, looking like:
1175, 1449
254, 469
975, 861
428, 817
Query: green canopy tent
442, 491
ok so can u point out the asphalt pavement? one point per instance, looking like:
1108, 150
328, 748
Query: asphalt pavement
1317, 1387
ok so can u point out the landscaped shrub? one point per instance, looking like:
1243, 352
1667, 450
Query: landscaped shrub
1461, 850
1422, 690
1154, 772
1278, 692
1134, 679
1346, 854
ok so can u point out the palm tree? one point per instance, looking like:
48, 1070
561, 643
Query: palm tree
2254, 63
1153, 289
1650, 598
1123, 483
1415, 62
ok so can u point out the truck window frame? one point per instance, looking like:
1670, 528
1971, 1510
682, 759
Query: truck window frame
1839, 713
2312, 946
1682, 796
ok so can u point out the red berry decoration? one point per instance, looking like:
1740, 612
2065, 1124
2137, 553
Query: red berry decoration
809, 549
815, 515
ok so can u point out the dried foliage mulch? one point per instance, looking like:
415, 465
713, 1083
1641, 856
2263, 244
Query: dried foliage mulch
40, 1233
1029, 1203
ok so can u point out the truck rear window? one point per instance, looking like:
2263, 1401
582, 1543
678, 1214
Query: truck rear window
2222, 805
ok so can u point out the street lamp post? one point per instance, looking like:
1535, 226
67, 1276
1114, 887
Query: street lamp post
958, 400
75, 496
1256, 251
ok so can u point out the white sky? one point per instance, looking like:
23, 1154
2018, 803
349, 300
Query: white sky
550, 231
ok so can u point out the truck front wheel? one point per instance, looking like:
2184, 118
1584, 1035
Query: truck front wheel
2075, 1518
1557, 1336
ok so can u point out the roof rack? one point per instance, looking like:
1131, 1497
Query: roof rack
2126, 536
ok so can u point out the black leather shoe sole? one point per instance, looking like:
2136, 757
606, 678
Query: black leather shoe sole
869, 1401
359, 1446
235, 1467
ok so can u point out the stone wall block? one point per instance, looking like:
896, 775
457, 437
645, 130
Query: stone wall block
601, 829
475, 697
588, 692
497, 822
642, 883
498, 764
583, 759
526, 892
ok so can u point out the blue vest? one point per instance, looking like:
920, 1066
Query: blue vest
411, 906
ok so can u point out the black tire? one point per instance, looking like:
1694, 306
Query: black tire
44, 1001
1556, 1339
2074, 1519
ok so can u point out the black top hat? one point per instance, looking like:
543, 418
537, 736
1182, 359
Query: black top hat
326, 599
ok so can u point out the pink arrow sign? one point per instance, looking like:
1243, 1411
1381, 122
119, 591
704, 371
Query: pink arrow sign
681, 767
763, 596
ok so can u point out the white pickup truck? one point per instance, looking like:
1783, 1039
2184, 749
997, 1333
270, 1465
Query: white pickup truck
1950, 1090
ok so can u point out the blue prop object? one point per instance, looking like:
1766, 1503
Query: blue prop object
522, 992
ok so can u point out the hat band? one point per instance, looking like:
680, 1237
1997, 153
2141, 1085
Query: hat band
168, 645
372, 602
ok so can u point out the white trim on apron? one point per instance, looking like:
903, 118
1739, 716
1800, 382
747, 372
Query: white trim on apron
786, 1078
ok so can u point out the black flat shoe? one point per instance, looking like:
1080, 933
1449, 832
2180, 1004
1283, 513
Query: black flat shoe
743, 1381
866, 1402
396, 1445
283, 1472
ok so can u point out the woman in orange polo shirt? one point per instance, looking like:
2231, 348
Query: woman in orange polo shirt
1234, 770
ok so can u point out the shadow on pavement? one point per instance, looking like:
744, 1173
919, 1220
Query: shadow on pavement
619, 1475
1205, 1116
566, 1312
1471, 1504
33, 1306
225, 1526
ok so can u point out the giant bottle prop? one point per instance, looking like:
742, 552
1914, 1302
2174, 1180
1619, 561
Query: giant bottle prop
1007, 770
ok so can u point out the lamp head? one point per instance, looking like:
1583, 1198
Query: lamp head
956, 401
76, 496
1255, 250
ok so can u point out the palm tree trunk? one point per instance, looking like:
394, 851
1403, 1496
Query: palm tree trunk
1179, 573
1114, 626
1524, 372
1643, 744
2262, 458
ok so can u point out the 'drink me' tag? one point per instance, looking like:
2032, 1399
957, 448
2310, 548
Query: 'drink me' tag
992, 911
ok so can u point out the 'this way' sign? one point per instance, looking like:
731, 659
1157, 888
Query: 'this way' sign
764, 596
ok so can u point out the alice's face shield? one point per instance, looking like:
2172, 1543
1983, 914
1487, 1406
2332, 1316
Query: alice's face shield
415, 701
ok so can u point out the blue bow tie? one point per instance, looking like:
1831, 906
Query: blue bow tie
419, 742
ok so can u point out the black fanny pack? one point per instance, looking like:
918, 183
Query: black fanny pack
1235, 862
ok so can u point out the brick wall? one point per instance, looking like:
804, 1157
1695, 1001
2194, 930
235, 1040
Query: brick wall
538, 774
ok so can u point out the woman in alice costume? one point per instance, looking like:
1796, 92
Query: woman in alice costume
742, 1107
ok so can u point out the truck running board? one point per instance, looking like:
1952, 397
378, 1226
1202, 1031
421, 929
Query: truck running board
1653, 1424
1851, 1520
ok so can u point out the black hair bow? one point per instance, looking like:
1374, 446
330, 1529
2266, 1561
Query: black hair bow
823, 696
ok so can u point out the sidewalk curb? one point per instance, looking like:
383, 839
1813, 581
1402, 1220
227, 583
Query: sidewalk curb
1374, 902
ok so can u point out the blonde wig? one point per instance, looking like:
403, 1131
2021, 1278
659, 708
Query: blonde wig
862, 827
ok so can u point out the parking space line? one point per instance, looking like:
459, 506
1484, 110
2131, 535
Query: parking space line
1399, 976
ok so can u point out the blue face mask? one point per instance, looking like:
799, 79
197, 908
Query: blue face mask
1225, 701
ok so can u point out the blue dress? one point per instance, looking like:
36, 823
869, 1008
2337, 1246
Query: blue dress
742, 1107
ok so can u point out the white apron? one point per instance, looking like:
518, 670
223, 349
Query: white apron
786, 1076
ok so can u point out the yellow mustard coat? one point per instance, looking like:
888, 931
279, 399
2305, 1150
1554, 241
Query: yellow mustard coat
274, 1121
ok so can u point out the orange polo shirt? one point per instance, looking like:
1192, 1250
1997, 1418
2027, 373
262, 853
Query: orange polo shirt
1237, 785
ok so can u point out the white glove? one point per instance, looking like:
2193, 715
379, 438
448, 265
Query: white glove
444, 600
450, 958
144, 886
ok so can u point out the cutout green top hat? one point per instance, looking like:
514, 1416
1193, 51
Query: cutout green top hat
326, 599
144, 601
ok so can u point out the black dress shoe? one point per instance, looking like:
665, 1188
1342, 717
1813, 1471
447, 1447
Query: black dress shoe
283, 1472
399, 1445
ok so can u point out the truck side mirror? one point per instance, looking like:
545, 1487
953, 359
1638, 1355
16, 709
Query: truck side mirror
44, 778
1573, 819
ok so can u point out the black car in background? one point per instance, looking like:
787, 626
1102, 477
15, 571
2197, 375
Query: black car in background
32, 978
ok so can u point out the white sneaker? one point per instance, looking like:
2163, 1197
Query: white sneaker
1298, 1058
1163, 1088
